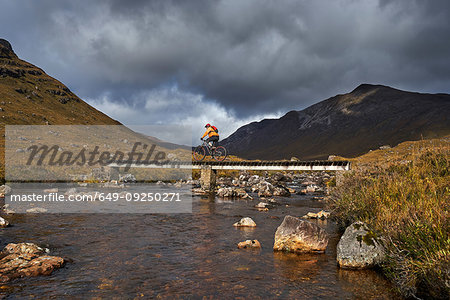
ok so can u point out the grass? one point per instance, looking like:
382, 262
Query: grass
404, 193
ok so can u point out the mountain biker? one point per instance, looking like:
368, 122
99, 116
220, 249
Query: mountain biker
213, 135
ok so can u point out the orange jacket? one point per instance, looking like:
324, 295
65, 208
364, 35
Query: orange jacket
210, 132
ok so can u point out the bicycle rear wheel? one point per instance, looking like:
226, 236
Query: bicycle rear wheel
199, 153
220, 153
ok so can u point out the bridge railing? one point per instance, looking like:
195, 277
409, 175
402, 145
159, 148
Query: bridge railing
323, 165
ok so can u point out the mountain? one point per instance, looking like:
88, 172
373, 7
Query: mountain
29, 96
347, 125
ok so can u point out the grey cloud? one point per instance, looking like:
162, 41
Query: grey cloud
251, 57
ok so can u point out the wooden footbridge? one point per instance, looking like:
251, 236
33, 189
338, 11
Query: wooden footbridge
209, 168
318, 165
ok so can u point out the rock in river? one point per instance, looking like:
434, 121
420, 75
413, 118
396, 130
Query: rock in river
4, 190
35, 210
281, 191
300, 236
231, 192
26, 259
226, 192
24, 248
263, 188
8, 211
359, 247
266, 189
127, 178
320, 215
262, 205
254, 244
3, 223
245, 222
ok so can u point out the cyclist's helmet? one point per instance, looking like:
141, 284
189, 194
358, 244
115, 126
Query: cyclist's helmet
207, 125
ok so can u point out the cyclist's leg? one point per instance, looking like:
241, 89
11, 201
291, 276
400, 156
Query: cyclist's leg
214, 140
210, 141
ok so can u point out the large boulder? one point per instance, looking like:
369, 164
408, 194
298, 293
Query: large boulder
300, 236
26, 259
359, 247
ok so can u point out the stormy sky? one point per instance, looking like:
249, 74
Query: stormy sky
228, 62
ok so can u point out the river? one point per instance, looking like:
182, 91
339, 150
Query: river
185, 256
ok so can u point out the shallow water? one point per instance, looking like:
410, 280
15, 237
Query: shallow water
185, 256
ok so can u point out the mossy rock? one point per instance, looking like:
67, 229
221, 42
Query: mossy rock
359, 247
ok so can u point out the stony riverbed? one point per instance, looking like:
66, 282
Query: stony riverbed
183, 255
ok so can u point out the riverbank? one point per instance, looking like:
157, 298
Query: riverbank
403, 193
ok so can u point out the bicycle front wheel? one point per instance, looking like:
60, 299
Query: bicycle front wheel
199, 153
220, 153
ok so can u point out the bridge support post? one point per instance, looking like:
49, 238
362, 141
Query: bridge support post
208, 179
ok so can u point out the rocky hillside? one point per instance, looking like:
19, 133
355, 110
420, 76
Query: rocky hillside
348, 125
29, 96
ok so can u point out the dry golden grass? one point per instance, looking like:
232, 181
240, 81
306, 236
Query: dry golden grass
404, 193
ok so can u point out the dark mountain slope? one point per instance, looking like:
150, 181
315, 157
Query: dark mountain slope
347, 125
29, 96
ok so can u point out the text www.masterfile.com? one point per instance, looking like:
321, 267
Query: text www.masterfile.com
96, 196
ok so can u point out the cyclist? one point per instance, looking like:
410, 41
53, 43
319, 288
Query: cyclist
213, 135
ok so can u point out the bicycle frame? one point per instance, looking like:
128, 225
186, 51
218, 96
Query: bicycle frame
207, 146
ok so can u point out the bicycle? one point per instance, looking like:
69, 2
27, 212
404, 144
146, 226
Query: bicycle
218, 153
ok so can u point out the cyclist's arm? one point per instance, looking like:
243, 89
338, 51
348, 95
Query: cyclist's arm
206, 132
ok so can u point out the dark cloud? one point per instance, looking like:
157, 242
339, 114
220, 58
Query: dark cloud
248, 57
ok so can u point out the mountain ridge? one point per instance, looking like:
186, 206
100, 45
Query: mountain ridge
346, 124
31, 97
